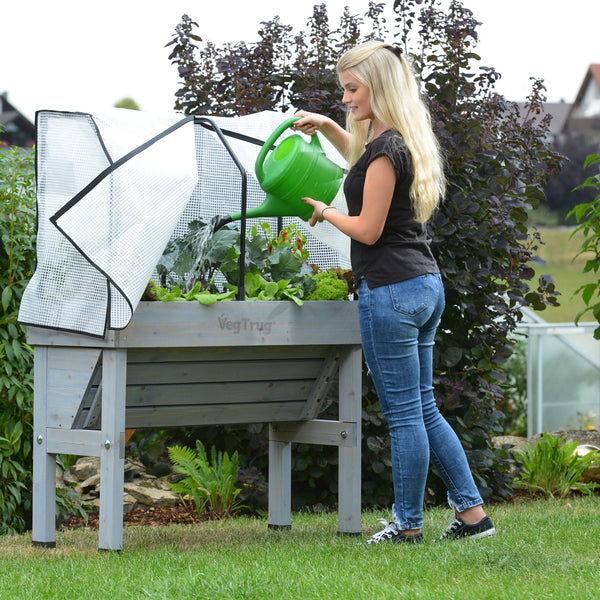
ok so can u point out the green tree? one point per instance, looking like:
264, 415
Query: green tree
17, 260
563, 191
128, 103
587, 215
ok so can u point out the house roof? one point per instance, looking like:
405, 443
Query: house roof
593, 73
592, 76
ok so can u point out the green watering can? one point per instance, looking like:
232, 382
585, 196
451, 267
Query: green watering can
295, 169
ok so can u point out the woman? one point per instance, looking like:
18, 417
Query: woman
395, 183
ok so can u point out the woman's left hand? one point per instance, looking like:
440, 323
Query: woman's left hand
318, 206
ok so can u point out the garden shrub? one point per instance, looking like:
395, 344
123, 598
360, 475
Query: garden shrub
514, 403
498, 164
17, 260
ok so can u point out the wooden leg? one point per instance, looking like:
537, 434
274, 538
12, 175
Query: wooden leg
112, 455
280, 483
349, 492
44, 464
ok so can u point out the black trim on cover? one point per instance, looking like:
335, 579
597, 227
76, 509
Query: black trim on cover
233, 134
209, 123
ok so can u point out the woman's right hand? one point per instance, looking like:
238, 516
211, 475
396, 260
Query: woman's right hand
309, 123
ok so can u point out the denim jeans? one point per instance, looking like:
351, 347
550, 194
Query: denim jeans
398, 324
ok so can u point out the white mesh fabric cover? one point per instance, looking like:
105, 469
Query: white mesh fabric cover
102, 223
107, 206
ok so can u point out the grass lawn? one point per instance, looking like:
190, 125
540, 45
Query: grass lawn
559, 253
544, 549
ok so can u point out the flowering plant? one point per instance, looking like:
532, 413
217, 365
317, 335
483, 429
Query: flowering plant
289, 237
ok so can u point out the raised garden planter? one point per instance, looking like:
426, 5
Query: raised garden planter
183, 364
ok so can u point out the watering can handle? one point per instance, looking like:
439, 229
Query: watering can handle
260, 159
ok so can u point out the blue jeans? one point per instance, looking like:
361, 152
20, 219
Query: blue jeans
398, 324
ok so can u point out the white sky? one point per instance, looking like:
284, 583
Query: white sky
81, 55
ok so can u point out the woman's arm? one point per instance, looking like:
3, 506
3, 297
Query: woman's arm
377, 197
310, 123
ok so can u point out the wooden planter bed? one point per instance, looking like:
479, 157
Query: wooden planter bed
183, 364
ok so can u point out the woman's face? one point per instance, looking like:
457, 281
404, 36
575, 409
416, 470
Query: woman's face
356, 97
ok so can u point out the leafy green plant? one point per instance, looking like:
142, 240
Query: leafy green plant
14, 480
276, 267
588, 215
329, 286
68, 502
211, 485
17, 261
552, 467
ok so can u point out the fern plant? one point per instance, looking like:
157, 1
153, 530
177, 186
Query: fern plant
552, 467
210, 484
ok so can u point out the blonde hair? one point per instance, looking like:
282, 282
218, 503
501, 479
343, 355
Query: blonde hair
397, 103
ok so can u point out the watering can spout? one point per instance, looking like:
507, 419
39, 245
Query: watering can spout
219, 221
295, 169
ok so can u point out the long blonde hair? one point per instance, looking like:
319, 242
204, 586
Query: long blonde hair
397, 103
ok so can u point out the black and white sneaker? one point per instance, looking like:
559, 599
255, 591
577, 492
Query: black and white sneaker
391, 533
459, 529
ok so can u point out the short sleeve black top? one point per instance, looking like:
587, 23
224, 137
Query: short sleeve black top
402, 251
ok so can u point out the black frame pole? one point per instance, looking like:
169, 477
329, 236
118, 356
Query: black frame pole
212, 125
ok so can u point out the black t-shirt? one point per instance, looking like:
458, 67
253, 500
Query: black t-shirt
402, 251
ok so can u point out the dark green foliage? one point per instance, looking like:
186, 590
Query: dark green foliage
17, 259
253, 490
68, 501
514, 403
